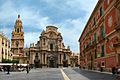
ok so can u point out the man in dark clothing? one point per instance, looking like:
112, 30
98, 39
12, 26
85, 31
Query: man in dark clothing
8, 69
113, 70
27, 69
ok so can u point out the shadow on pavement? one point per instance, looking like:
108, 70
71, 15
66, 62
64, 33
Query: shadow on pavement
95, 75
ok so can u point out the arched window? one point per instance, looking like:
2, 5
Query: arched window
43, 41
17, 30
51, 46
37, 54
17, 43
64, 56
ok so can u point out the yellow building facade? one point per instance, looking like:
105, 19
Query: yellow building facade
5, 52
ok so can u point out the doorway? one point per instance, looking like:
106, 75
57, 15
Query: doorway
52, 62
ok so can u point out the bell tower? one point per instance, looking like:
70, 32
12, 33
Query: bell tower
17, 39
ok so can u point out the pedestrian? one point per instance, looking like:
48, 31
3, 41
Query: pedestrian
118, 73
27, 69
118, 70
113, 70
0, 68
101, 69
8, 69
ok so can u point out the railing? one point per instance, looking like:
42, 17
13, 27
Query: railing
100, 38
117, 26
117, 43
94, 42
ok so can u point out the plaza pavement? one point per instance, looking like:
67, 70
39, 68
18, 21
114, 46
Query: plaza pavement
57, 74
78, 74
35, 74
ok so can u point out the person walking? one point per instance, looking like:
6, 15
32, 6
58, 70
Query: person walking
118, 73
27, 69
113, 70
8, 69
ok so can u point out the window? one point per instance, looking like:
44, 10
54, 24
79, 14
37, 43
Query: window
17, 30
17, 43
95, 37
94, 22
5, 51
110, 21
102, 54
2, 51
43, 41
101, 11
2, 41
20, 30
103, 64
95, 54
37, 54
6, 43
111, 46
102, 31
44, 58
51, 46
60, 58
64, 57
26, 54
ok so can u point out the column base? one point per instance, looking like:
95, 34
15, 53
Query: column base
60, 65
44, 66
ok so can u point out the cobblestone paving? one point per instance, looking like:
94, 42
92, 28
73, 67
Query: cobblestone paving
35, 74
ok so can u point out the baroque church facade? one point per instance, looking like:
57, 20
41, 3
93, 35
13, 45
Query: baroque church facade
50, 50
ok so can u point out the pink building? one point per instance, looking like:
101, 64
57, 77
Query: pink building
100, 39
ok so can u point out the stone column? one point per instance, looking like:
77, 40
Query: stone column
58, 59
68, 61
31, 57
62, 60
46, 59
42, 59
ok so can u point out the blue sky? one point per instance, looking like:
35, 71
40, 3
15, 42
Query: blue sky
70, 16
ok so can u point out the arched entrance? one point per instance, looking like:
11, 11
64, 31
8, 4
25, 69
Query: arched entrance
65, 63
36, 61
52, 61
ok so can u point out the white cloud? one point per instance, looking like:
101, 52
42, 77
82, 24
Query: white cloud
5, 31
29, 16
70, 28
31, 37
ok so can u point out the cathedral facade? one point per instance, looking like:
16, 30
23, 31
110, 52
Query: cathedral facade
50, 50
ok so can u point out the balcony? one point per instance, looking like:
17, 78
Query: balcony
117, 26
117, 2
117, 43
88, 47
94, 42
100, 38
